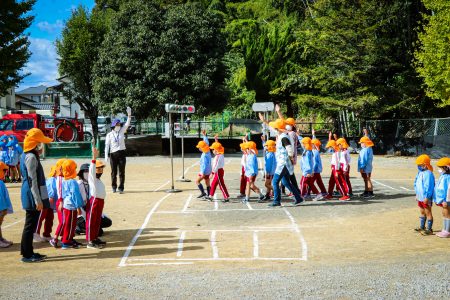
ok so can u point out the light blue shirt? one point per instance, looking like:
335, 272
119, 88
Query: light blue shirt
424, 185
71, 195
205, 163
307, 162
317, 162
440, 192
51, 189
365, 160
251, 166
270, 163
5, 201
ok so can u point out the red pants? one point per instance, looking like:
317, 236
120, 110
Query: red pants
218, 180
243, 182
337, 178
94, 209
47, 216
318, 178
306, 184
347, 179
59, 228
70, 222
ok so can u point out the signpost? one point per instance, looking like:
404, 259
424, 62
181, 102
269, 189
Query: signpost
264, 107
177, 109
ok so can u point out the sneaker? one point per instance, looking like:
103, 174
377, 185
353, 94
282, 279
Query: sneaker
201, 196
318, 197
47, 238
39, 255
297, 203
350, 194
336, 194
37, 238
4, 244
34, 258
6, 241
121, 191
345, 198
225, 200
77, 243
274, 204
443, 234
66, 246
262, 197
363, 195
100, 242
367, 196
267, 198
328, 197
114, 190
427, 232
54, 243
240, 196
93, 245
419, 229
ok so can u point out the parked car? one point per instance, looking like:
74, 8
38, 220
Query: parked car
132, 129
58, 128
104, 126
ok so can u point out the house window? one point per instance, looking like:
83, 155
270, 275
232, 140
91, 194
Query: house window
24, 124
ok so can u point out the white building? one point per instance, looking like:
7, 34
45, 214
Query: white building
7, 102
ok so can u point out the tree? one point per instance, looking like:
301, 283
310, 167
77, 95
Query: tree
78, 49
154, 55
433, 53
14, 44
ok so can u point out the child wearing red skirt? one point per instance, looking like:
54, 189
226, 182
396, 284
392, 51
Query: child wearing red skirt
344, 169
218, 172
59, 202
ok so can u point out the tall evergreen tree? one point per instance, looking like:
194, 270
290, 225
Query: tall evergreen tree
14, 53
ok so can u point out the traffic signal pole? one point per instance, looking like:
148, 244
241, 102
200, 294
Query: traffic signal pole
182, 179
171, 133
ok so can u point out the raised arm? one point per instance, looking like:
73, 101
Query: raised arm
278, 110
128, 122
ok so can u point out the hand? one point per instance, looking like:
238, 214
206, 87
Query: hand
95, 153
335, 136
308, 175
366, 133
39, 206
216, 137
329, 135
129, 111
204, 132
277, 107
313, 132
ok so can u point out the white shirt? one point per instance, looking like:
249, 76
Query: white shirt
59, 180
218, 163
115, 141
344, 159
96, 186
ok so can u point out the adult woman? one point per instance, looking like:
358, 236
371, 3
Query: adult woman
34, 193
115, 149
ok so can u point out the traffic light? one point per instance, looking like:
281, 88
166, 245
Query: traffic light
179, 109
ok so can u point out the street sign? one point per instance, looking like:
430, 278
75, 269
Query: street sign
179, 109
263, 106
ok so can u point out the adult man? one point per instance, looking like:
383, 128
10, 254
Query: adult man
115, 150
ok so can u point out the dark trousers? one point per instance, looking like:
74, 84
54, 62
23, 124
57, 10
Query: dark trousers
118, 160
26, 245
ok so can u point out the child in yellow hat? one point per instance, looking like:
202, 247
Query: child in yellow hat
335, 179
59, 178
442, 195
365, 165
307, 165
47, 214
269, 164
205, 167
344, 168
251, 171
317, 167
424, 187
218, 172
243, 181
5, 204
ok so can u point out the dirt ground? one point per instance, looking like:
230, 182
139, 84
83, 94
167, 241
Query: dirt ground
173, 243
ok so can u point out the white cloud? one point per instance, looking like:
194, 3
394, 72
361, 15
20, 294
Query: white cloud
43, 64
49, 27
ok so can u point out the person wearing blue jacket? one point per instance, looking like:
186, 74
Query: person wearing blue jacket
5, 205
270, 165
317, 169
442, 195
365, 160
14, 152
307, 165
251, 171
424, 187
72, 204
205, 168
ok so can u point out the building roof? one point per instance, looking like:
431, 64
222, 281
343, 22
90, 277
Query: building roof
36, 90
36, 105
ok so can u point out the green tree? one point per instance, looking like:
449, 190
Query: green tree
433, 54
154, 55
78, 49
14, 20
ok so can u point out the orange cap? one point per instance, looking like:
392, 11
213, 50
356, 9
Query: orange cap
368, 142
203, 146
331, 144
342, 142
33, 137
290, 121
243, 146
69, 169
215, 145
424, 160
306, 141
278, 124
3, 169
271, 146
220, 149
252, 146
316, 142
58, 166
52, 172
443, 162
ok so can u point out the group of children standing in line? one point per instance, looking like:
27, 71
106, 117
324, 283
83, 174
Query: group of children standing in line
10, 152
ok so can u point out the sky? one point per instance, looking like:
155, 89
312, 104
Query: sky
50, 17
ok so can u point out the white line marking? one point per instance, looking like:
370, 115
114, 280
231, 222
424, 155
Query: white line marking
159, 264
190, 211
186, 205
180, 243
216, 203
406, 189
255, 244
385, 185
12, 224
135, 238
248, 205
229, 161
214, 245
251, 229
297, 229
218, 259
187, 169
167, 182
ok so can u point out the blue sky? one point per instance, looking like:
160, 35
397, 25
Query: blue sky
50, 17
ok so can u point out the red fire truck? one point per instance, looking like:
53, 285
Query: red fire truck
60, 129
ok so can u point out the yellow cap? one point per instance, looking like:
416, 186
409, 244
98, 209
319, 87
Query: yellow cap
316, 142
278, 124
252, 146
306, 141
290, 121
443, 162
33, 137
3, 169
69, 169
52, 172
424, 160
342, 142
203, 146
368, 142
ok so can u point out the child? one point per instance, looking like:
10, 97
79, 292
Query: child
251, 171
4, 155
307, 168
424, 187
270, 165
205, 168
72, 203
58, 205
365, 166
243, 181
14, 152
5, 204
442, 195
218, 172
47, 214
334, 177
317, 169
344, 168
94, 207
